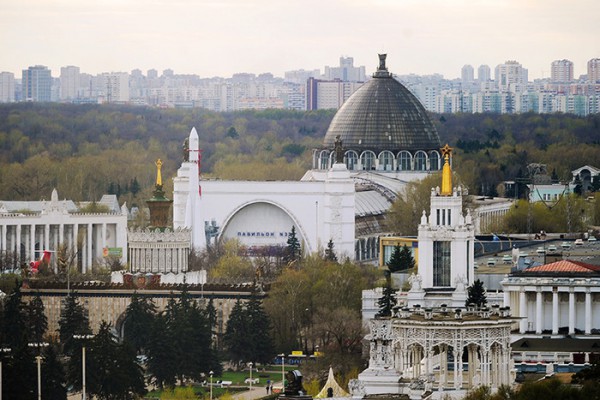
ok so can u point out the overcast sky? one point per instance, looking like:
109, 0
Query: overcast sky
222, 37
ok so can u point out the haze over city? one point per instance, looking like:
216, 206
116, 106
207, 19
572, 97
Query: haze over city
220, 38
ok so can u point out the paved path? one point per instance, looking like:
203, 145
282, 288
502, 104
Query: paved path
257, 392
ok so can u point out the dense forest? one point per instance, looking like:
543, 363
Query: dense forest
88, 150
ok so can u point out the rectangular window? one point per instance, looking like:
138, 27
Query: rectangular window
443, 216
441, 264
438, 216
449, 218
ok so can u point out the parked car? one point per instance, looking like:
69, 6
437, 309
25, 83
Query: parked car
253, 380
552, 248
491, 262
565, 245
592, 239
507, 259
540, 250
578, 242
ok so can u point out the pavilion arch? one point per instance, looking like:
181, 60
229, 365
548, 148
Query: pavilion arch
386, 161
434, 161
277, 220
324, 159
351, 159
420, 161
367, 160
405, 160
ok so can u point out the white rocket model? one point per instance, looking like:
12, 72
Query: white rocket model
192, 210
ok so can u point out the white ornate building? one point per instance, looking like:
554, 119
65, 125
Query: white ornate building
29, 227
156, 251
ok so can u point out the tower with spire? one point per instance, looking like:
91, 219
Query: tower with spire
446, 242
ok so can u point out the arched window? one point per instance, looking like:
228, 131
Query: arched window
367, 160
404, 161
434, 161
420, 161
351, 160
386, 161
324, 159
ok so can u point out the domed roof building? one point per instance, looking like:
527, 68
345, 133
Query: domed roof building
385, 137
382, 128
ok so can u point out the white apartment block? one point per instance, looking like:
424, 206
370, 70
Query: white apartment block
70, 83
593, 70
561, 71
509, 73
114, 86
7, 87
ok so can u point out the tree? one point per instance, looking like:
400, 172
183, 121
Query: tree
259, 324
387, 301
37, 322
116, 375
162, 359
138, 321
293, 250
53, 376
330, 252
476, 294
401, 259
73, 320
237, 335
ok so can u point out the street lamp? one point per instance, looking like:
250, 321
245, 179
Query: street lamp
211, 375
282, 355
2, 351
38, 359
82, 337
250, 364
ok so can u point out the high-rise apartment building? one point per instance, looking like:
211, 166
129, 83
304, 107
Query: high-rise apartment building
484, 74
511, 75
561, 71
37, 84
115, 86
324, 95
467, 74
7, 87
593, 70
69, 83
346, 72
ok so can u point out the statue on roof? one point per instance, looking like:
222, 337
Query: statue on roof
339, 151
382, 66
158, 164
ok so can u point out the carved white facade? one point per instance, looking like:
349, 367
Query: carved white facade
29, 227
159, 251
262, 213
421, 350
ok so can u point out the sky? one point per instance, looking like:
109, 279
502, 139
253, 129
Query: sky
222, 37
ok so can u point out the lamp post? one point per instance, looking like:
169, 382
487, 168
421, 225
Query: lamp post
82, 337
250, 364
38, 359
2, 351
211, 375
282, 373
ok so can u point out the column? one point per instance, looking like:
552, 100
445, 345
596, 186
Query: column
46, 237
588, 311
555, 311
538, 311
3, 238
506, 296
61, 233
32, 243
18, 242
88, 246
75, 245
571, 311
522, 312
103, 235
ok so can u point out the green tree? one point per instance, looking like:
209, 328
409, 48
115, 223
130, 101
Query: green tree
259, 324
401, 259
330, 252
73, 320
237, 338
37, 322
53, 376
387, 301
162, 359
476, 294
293, 251
139, 316
116, 375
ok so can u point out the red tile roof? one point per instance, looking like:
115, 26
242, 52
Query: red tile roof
566, 266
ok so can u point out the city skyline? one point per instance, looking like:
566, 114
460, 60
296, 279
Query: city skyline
220, 38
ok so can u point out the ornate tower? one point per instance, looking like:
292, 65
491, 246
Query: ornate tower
159, 205
446, 240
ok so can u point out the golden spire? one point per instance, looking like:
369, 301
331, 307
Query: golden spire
158, 175
446, 171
